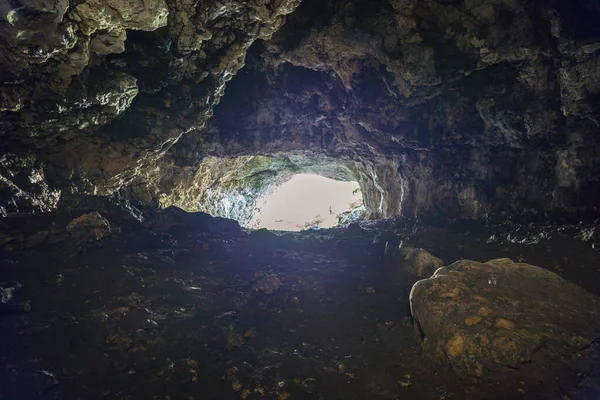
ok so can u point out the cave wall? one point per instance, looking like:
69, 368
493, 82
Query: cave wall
461, 108
455, 108
94, 92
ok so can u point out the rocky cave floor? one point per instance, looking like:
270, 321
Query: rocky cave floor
182, 308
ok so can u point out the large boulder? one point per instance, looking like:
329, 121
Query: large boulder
496, 315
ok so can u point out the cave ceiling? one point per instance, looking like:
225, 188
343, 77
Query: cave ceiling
458, 107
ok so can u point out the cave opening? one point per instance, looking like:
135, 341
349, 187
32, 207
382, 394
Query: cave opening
286, 192
308, 201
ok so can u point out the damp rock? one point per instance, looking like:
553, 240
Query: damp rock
499, 314
421, 262
89, 228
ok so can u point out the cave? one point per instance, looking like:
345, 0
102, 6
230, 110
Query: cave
142, 141
249, 189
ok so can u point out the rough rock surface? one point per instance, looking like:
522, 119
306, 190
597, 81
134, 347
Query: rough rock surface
230, 187
98, 89
421, 262
88, 228
444, 107
488, 316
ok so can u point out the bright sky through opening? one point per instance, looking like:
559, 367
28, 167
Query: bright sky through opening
304, 199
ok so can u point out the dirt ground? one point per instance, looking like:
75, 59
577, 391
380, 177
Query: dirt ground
185, 313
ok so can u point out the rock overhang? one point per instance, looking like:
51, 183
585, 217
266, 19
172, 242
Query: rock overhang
459, 109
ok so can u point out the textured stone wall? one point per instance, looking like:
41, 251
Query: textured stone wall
99, 90
460, 108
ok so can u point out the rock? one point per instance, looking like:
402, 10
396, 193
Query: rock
420, 103
420, 262
236, 386
250, 333
269, 284
88, 228
235, 340
495, 315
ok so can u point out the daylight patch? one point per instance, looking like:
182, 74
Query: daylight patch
309, 201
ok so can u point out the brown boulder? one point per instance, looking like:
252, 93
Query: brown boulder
489, 316
88, 228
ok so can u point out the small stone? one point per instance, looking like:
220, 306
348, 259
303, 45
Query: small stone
369, 290
231, 372
88, 228
236, 386
283, 396
472, 320
269, 284
235, 340
504, 324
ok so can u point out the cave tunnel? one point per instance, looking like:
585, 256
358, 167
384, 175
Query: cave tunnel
145, 143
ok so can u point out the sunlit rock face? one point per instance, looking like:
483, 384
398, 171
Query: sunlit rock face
451, 108
98, 90
447, 108
231, 187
